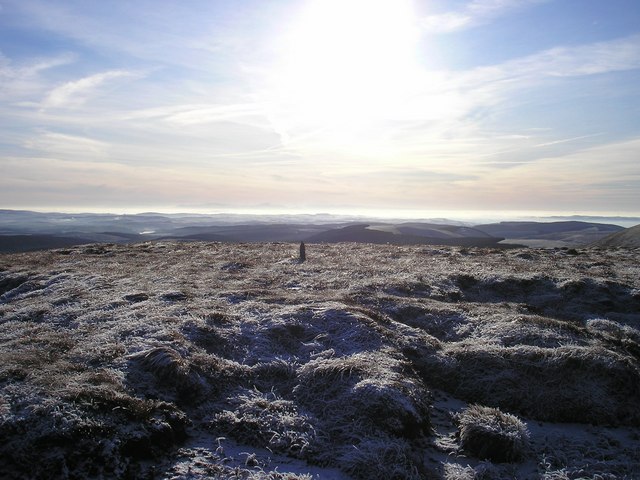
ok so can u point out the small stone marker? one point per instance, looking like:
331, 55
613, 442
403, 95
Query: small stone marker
303, 254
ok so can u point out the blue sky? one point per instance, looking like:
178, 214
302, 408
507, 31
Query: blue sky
324, 105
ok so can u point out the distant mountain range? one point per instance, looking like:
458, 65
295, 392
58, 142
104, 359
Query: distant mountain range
25, 230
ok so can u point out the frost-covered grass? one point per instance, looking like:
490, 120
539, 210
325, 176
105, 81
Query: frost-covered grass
364, 359
488, 433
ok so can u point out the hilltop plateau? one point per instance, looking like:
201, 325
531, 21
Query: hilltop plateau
194, 360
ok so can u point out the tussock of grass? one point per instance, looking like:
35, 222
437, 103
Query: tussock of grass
267, 421
172, 372
488, 433
442, 323
616, 331
381, 457
483, 471
279, 374
89, 425
209, 337
219, 370
368, 387
165, 363
454, 471
10, 282
563, 384
215, 466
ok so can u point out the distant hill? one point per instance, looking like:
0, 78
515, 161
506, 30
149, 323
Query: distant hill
629, 238
27, 231
407, 234
550, 234
258, 232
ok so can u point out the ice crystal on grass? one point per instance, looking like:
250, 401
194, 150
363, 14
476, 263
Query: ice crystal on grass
458, 472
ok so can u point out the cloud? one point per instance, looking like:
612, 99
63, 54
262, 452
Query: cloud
590, 59
489, 85
197, 114
68, 146
20, 80
568, 140
601, 178
588, 166
41, 65
194, 35
474, 13
8, 70
77, 92
38, 181
445, 115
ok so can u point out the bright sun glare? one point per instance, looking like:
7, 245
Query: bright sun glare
346, 65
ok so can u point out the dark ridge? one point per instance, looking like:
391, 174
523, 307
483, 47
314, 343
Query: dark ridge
30, 243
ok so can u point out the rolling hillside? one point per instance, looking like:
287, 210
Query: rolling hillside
407, 234
550, 234
629, 238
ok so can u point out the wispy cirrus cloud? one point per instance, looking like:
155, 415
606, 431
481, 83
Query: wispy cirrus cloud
492, 84
8, 70
77, 92
68, 146
18, 81
185, 35
211, 115
567, 61
476, 12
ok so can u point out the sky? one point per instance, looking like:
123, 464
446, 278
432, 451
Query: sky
358, 106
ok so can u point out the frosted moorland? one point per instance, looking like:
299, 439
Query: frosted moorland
207, 360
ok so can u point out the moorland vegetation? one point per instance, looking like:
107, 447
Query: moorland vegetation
217, 360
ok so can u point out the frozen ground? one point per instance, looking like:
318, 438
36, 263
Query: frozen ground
205, 360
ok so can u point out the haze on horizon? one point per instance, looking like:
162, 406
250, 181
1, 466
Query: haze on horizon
321, 105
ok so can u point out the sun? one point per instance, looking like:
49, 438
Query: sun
344, 66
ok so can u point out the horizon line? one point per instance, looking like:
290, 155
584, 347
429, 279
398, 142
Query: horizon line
459, 215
